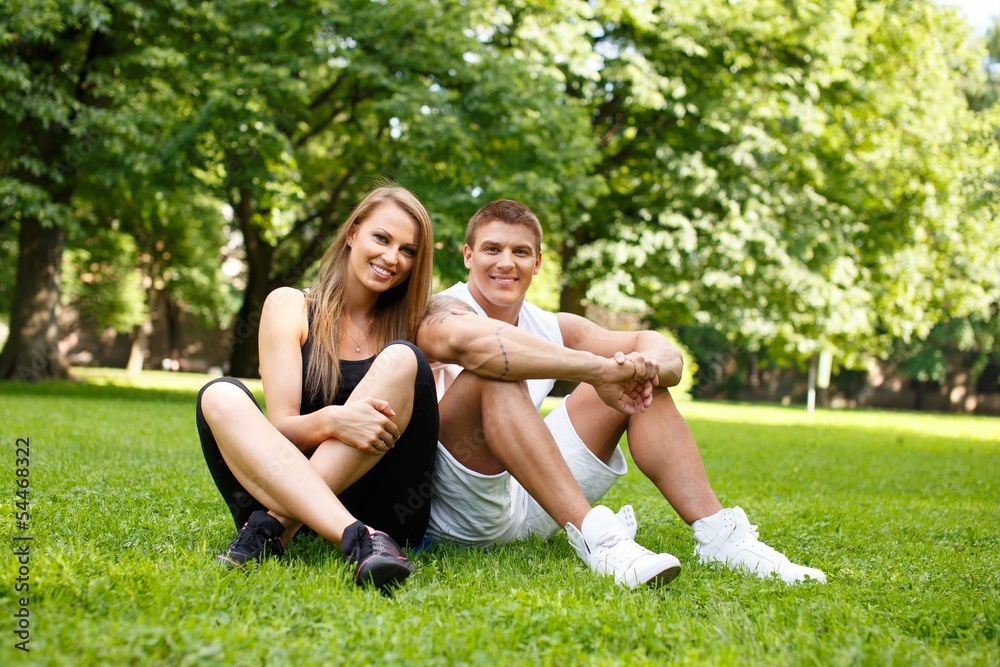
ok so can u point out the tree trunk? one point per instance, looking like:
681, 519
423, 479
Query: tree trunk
244, 357
175, 326
32, 349
140, 335
137, 351
574, 290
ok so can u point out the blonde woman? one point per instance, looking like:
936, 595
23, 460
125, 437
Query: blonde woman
348, 444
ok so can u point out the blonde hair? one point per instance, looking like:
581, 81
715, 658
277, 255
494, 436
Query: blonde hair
398, 311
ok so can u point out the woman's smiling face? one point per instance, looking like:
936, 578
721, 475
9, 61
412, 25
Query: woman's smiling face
383, 248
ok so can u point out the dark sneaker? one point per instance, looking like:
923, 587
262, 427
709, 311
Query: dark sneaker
378, 559
256, 540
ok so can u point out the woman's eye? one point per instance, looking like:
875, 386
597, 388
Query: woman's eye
409, 252
380, 238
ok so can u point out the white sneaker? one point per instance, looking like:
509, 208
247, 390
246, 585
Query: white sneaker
626, 517
729, 538
606, 546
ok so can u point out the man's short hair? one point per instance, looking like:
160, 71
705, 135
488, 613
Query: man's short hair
508, 211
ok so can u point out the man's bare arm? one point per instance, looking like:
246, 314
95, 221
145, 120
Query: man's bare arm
452, 333
497, 350
442, 307
434, 331
581, 334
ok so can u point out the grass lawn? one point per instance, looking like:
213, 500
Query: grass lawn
901, 510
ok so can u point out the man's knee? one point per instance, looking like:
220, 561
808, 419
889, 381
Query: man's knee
501, 391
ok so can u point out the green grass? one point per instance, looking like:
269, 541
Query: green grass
900, 510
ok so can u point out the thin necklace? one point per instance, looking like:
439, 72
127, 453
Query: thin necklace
357, 345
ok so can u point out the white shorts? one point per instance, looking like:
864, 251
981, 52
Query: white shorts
474, 509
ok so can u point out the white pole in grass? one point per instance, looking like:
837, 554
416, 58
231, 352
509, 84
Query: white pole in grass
824, 369
820, 367
811, 393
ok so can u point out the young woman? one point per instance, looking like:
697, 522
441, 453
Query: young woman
349, 441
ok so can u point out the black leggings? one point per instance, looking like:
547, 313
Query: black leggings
394, 496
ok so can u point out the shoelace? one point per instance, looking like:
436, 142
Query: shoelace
250, 537
752, 532
625, 554
382, 545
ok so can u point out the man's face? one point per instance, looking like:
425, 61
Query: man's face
501, 264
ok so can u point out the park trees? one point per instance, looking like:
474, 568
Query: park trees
50, 122
789, 176
70, 129
301, 109
780, 176
283, 114
960, 355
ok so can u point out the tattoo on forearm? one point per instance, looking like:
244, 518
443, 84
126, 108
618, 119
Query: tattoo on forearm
506, 365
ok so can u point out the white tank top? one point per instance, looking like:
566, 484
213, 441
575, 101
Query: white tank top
531, 319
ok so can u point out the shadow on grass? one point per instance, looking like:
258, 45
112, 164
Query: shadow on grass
112, 386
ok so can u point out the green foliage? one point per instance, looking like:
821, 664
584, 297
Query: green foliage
974, 341
544, 290
790, 176
8, 264
683, 389
100, 279
289, 119
794, 176
122, 571
179, 247
78, 79
89, 93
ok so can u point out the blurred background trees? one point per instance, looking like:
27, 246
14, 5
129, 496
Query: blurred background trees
766, 179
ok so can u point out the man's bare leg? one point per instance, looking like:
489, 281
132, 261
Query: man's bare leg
664, 449
490, 426
660, 441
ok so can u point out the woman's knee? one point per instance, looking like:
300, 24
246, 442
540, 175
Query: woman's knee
220, 396
403, 358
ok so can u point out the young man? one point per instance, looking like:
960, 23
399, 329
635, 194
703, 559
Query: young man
503, 473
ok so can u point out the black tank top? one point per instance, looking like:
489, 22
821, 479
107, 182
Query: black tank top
351, 373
